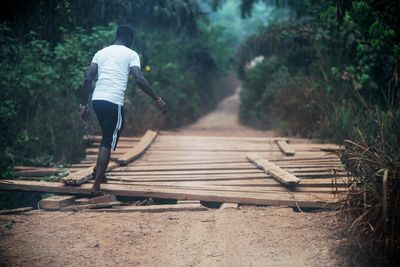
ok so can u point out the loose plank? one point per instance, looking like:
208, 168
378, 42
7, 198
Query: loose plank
285, 148
85, 175
56, 202
278, 173
139, 149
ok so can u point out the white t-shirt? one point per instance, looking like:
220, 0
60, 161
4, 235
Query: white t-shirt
113, 64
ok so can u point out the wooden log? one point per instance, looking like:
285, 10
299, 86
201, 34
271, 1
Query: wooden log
92, 206
56, 202
139, 149
15, 211
155, 208
278, 173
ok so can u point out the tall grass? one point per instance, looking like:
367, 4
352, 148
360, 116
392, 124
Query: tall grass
371, 208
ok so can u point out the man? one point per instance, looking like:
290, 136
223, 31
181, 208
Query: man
113, 65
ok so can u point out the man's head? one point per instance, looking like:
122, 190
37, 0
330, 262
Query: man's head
125, 34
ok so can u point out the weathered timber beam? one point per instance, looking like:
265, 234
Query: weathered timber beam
139, 149
285, 148
276, 172
265, 198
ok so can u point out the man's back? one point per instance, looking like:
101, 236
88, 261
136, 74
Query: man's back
113, 63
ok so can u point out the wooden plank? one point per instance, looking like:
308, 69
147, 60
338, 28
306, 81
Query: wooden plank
325, 186
184, 201
139, 149
240, 188
285, 148
98, 138
218, 161
173, 172
15, 211
276, 199
85, 175
56, 202
96, 200
225, 206
218, 138
278, 173
234, 179
92, 206
227, 166
155, 208
35, 172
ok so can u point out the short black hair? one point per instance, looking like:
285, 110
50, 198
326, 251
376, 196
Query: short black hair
124, 32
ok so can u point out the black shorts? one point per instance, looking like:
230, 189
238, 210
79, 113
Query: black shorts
111, 118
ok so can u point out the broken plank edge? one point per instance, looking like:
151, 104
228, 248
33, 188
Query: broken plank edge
141, 147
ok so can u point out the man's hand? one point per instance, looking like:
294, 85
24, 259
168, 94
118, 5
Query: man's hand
161, 105
85, 114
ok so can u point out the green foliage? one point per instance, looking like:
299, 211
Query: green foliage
49, 18
361, 56
265, 80
41, 83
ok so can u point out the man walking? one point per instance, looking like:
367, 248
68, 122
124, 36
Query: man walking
112, 64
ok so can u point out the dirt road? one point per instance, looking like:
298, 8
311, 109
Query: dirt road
248, 236
223, 121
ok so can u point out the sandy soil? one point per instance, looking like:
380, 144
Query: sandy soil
248, 236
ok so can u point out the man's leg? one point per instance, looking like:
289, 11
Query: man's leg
111, 121
101, 166
103, 180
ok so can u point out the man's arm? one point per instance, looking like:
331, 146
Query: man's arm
86, 90
145, 86
87, 87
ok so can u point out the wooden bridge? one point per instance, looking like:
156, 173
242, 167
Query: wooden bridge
206, 168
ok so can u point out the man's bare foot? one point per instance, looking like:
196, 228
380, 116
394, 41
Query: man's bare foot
95, 188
